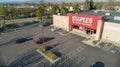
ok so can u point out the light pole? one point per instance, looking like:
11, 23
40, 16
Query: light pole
41, 29
4, 22
41, 26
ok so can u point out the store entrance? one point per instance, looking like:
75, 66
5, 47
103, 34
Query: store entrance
90, 31
86, 30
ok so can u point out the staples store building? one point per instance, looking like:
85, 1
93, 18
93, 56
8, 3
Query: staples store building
91, 25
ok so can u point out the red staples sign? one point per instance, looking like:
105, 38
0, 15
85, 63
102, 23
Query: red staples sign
86, 21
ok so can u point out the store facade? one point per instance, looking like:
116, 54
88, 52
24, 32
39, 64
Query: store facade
86, 24
100, 24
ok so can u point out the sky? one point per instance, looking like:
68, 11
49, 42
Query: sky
3, 1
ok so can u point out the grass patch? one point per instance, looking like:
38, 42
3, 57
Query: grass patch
11, 24
42, 48
51, 55
64, 32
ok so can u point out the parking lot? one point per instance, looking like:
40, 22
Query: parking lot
73, 52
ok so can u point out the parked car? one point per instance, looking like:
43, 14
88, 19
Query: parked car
55, 29
97, 64
46, 24
21, 40
41, 40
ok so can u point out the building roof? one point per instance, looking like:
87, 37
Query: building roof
109, 18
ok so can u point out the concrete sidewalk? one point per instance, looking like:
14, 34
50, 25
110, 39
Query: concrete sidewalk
89, 39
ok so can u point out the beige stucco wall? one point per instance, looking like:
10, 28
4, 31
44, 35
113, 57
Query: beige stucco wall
61, 21
111, 32
99, 30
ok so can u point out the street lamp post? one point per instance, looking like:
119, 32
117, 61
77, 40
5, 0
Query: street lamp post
4, 22
42, 30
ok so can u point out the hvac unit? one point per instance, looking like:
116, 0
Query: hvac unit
58, 13
108, 14
96, 11
116, 17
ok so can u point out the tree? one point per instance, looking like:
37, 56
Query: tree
98, 5
117, 3
88, 5
3, 14
63, 10
52, 10
2, 10
76, 8
29, 10
39, 12
110, 5
42, 4
42, 48
12, 11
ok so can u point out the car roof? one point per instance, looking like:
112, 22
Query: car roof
20, 38
99, 64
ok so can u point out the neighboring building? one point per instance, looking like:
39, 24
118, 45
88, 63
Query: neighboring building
26, 6
81, 7
117, 8
99, 24
21, 6
71, 8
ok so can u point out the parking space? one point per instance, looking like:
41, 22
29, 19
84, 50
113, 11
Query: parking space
66, 45
109, 47
93, 54
10, 50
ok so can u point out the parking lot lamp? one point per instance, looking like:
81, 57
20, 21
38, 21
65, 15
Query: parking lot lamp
41, 29
42, 32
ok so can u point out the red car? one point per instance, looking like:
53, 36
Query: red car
41, 40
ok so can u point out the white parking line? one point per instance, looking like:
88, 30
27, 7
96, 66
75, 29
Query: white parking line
18, 32
63, 49
38, 63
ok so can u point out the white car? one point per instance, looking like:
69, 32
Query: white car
55, 29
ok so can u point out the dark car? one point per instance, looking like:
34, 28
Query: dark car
21, 40
41, 40
97, 64
46, 24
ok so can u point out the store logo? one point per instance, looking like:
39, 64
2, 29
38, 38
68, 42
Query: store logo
82, 20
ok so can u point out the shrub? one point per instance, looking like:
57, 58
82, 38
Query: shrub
51, 55
95, 41
64, 32
11, 24
9, 19
42, 48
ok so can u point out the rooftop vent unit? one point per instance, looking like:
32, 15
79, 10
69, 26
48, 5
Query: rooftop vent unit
96, 11
76, 13
108, 14
58, 13
116, 17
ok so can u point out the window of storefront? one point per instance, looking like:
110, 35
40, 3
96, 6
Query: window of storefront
81, 28
90, 31
87, 30
76, 27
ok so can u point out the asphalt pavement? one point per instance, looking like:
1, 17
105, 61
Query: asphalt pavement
25, 55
